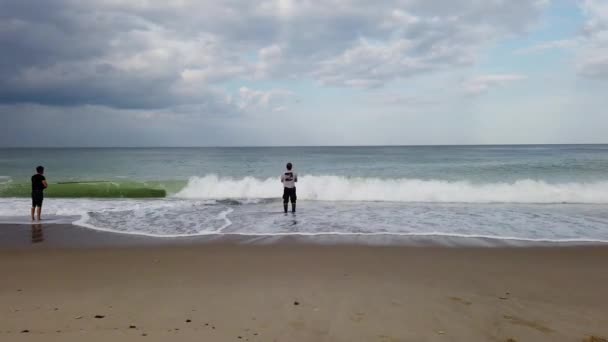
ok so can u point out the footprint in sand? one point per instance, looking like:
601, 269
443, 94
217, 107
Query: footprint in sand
461, 301
357, 317
595, 339
530, 324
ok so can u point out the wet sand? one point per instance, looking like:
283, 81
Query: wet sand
302, 292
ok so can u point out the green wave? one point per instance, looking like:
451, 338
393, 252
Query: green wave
91, 189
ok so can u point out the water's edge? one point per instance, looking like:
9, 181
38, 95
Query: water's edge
61, 235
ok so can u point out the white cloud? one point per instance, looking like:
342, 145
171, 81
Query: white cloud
407, 100
593, 61
163, 54
561, 44
250, 99
481, 84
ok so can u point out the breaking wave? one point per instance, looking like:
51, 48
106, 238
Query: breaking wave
338, 188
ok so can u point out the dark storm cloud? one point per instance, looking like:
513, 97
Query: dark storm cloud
126, 54
188, 72
68, 53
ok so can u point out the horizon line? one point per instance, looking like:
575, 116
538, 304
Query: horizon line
292, 146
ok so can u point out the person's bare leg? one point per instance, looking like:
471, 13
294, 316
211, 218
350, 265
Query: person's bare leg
39, 210
33, 209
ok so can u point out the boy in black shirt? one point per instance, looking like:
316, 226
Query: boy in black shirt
38, 186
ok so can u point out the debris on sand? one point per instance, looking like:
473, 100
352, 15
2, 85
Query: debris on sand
296, 303
99, 316
595, 339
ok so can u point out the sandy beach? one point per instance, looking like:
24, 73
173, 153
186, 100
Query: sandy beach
300, 292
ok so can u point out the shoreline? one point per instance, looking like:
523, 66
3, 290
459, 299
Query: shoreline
62, 235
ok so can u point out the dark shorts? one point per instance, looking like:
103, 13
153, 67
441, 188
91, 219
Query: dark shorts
37, 197
289, 194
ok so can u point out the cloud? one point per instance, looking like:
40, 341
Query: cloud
590, 46
482, 84
156, 54
593, 60
407, 100
249, 99
561, 44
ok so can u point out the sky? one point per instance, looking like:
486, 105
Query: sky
308, 72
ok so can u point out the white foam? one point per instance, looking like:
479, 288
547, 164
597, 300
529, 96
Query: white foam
338, 188
174, 217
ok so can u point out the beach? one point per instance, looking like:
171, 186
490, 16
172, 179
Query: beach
390, 243
231, 291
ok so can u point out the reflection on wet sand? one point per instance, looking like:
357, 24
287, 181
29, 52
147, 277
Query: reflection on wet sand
37, 234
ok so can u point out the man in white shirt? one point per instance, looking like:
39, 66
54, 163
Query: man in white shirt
289, 179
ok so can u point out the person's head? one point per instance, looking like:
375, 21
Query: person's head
289, 166
40, 169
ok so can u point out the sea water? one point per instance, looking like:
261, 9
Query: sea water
525, 192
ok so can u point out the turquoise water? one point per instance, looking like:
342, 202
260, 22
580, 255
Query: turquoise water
552, 163
535, 192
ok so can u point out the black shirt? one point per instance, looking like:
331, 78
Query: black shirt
37, 182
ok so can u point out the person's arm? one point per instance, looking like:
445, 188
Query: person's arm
295, 177
283, 178
44, 183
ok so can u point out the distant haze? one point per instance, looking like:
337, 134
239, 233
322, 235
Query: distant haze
286, 72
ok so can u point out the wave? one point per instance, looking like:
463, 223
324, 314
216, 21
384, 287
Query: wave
338, 188
97, 189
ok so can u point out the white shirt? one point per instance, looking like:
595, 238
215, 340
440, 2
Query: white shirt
289, 178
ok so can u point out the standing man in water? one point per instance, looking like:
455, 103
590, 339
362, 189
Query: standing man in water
289, 179
38, 186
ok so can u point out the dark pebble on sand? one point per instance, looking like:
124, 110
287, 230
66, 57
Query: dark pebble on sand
99, 316
19, 290
213, 328
188, 321
206, 324
132, 327
296, 303
240, 337
144, 334
25, 331
55, 309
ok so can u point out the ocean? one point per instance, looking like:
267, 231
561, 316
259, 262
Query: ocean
546, 193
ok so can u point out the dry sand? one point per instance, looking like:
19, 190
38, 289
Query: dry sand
287, 292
